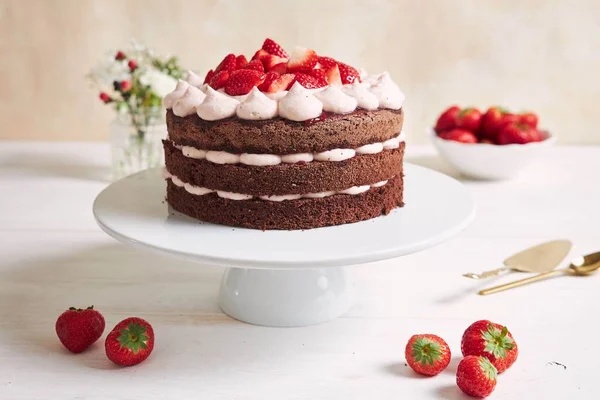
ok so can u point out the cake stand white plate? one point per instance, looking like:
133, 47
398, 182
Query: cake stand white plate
285, 278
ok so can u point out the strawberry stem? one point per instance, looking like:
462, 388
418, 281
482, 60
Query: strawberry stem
497, 341
488, 368
426, 351
81, 309
133, 337
465, 111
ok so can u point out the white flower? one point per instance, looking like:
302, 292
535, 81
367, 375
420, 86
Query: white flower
160, 83
109, 70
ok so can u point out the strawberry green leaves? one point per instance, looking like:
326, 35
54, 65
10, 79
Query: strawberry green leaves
497, 341
133, 337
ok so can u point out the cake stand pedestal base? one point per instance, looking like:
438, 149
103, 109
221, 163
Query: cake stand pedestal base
284, 297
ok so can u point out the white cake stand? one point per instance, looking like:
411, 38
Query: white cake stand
285, 278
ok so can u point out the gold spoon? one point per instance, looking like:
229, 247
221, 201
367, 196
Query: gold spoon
580, 266
541, 258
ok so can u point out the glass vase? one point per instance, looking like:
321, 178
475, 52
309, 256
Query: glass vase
136, 146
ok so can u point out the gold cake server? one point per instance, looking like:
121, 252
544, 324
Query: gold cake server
541, 258
580, 266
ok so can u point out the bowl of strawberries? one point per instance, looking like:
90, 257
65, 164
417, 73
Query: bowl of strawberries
494, 145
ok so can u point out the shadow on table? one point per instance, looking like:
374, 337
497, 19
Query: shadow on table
450, 392
55, 165
404, 370
460, 294
453, 366
401, 369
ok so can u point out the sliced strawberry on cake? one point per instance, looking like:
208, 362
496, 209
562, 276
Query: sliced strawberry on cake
276, 83
302, 60
271, 47
228, 64
242, 81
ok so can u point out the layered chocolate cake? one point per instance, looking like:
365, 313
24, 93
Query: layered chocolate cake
284, 142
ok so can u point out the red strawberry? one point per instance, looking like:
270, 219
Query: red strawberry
326, 62
209, 76
349, 74
228, 64
280, 68
515, 133
256, 65
469, 119
427, 354
490, 122
490, 340
493, 120
219, 80
130, 342
459, 135
77, 329
302, 60
105, 97
529, 118
278, 84
269, 78
259, 54
271, 47
309, 82
536, 135
132, 65
270, 61
320, 75
333, 75
447, 120
242, 81
507, 118
240, 61
476, 376
120, 56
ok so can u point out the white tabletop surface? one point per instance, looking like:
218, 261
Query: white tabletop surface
52, 256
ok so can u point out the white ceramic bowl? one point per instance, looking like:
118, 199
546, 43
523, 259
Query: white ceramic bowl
490, 161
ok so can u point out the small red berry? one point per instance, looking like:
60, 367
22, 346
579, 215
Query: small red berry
427, 354
529, 118
447, 120
476, 376
119, 56
105, 97
459, 135
130, 342
125, 86
132, 65
78, 329
469, 119
490, 340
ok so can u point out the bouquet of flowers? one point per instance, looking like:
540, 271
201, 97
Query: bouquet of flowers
134, 81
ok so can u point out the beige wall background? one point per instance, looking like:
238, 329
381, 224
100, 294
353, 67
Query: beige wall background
525, 54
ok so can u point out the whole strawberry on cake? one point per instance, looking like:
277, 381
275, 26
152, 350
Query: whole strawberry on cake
284, 142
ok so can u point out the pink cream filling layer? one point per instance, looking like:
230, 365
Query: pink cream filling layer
223, 157
199, 191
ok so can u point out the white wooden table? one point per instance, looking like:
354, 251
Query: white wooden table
52, 256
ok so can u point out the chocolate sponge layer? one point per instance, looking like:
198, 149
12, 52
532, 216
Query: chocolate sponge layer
315, 176
291, 214
282, 136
